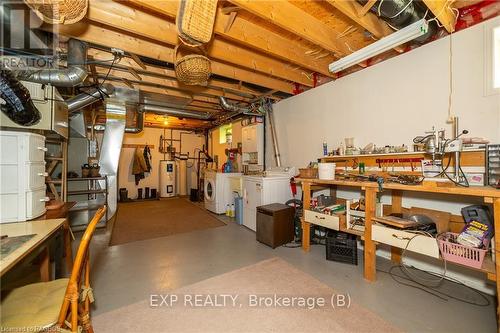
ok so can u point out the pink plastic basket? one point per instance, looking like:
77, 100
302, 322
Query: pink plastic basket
461, 254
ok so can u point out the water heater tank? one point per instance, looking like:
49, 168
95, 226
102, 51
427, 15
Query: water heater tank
167, 179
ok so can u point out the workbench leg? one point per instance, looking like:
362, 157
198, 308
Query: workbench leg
306, 226
396, 253
67, 246
370, 259
396, 208
496, 212
45, 264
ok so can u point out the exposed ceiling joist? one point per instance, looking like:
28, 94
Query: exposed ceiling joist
126, 64
443, 11
253, 35
172, 83
368, 21
107, 37
150, 26
287, 16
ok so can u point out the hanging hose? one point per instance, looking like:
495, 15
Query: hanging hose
18, 105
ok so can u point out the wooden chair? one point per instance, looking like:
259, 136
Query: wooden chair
37, 307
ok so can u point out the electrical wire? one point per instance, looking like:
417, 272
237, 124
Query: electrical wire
426, 284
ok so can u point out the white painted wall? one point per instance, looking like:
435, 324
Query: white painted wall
391, 103
151, 136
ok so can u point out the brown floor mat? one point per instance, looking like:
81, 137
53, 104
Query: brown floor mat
137, 221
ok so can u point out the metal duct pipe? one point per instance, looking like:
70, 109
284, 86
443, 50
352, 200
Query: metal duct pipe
274, 137
231, 107
176, 112
70, 77
401, 13
87, 98
139, 125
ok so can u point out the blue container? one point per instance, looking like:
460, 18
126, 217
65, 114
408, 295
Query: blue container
238, 209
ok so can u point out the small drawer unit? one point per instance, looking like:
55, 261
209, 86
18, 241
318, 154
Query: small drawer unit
324, 220
22, 175
406, 240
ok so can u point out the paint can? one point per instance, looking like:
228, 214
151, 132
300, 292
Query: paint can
326, 171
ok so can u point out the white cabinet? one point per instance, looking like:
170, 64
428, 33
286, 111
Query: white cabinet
22, 175
252, 144
258, 191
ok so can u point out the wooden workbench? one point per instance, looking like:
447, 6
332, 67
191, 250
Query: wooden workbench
489, 195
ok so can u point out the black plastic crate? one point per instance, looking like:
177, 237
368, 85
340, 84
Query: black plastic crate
342, 247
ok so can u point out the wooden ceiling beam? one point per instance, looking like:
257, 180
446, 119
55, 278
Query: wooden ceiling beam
109, 38
253, 35
102, 60
171, 83
291, 18
368, 21
143, 24
443, 11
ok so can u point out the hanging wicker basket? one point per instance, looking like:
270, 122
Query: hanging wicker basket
195, 21
192, 69
59, 11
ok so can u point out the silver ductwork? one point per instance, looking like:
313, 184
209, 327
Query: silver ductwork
109, 155
87, 98
69, 77
180, 113
139, 125
232, 107
401, 13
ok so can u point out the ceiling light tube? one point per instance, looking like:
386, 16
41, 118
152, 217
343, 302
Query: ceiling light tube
397, 38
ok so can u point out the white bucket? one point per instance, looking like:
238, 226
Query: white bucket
326, 171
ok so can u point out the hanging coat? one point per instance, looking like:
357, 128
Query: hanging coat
139, 165
147, 158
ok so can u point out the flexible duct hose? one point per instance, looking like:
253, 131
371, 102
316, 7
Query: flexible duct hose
18, 105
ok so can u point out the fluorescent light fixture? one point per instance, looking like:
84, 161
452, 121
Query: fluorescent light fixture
399, 37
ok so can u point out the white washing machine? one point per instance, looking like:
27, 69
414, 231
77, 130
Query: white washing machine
217, 191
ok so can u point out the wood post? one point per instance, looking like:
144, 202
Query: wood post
306, 226
370, 259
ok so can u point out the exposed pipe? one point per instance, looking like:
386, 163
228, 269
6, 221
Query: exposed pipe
87, 98
232, 107
176, 112
274, 137
70, 77
139, 125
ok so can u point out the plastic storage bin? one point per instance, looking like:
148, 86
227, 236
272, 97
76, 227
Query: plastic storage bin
342, 247
461, 254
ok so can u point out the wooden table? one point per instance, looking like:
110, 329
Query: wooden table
489, 195
43, 230
62, 213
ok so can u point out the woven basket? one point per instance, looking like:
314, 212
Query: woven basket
195, 21
192, 69
59, 11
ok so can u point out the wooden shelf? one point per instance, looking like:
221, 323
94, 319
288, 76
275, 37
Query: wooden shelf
87, 192
85, 178
52, 158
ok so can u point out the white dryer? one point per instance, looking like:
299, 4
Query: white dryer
217, 191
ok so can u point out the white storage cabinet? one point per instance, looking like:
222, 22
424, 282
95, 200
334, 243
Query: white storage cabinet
22, 176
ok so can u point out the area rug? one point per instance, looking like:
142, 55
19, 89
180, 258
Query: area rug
137, 221
264, 297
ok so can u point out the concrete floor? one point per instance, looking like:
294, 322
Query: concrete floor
129, 273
